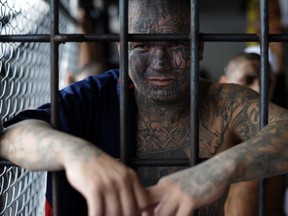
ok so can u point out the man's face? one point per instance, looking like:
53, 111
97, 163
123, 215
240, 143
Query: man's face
247, 73
160, 70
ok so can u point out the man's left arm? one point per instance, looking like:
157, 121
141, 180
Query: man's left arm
263, 154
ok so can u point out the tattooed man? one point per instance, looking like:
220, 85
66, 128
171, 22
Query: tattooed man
159, 127
243, 198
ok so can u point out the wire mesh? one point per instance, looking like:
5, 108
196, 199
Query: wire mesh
24, 84
22, 192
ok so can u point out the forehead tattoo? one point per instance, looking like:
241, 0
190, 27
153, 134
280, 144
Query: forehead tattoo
161, 16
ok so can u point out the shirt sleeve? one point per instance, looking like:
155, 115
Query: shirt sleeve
83, 106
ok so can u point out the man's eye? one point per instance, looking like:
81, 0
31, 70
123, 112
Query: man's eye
141, 46
249, 80
178, 44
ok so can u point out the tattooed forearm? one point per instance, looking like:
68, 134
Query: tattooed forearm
35, 145
266, 154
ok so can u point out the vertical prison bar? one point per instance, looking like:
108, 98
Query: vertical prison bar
194, 84
54, 52
194, 89
123, 10
264, 31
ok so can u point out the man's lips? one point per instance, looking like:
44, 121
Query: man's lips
161, 81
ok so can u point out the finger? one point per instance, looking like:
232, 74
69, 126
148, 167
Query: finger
128, 202
112, 202
166, 208
95, 204
155, 194
148, 212
141, 195
185, 210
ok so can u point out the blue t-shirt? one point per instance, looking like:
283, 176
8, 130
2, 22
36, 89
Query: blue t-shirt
88, 109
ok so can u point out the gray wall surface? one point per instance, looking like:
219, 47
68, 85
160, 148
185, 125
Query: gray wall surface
221, 16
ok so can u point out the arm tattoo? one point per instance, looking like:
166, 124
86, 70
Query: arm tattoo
36, 146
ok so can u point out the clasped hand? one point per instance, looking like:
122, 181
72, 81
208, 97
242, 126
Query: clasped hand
110, 188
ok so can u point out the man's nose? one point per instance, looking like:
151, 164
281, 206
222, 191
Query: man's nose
160, 59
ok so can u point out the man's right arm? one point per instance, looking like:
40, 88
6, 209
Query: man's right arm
107, 184
35, 145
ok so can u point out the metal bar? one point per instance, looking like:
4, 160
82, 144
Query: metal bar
161, 161
54, 56
264, 23
194, 81
242, 37
63, 38
143, 162
194, 84
25, 38
123, 12
264, 30
66, 12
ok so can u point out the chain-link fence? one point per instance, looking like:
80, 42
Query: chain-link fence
25, 83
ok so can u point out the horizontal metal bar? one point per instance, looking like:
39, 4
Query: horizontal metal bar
25, 38
142, 162
86, 38
278, 37
158, 37
62, 38
229, 37
242, 37
162, 161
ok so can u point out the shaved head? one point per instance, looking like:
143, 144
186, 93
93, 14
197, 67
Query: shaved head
159, 16
238, 59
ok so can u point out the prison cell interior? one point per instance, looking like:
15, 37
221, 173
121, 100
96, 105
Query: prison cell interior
25, 75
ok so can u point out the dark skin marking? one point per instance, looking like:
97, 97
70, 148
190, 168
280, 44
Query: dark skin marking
47, 145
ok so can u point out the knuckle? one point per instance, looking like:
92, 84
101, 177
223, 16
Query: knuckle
163, 181
94, 189
127, 175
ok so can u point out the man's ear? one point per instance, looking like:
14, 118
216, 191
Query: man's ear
222, 79
201, 50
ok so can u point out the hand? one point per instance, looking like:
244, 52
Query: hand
110, 188
181, 193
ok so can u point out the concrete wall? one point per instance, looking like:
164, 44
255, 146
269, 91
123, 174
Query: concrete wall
221, 16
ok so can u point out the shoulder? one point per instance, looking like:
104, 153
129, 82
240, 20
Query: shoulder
231, 99
93, 84
220, 91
